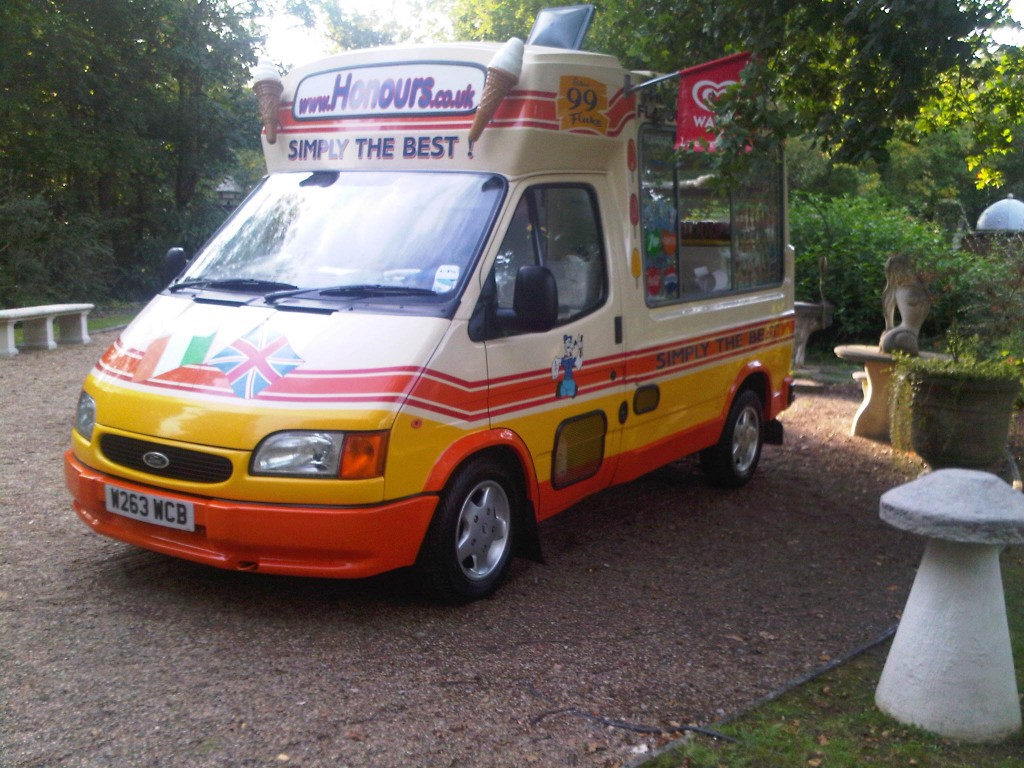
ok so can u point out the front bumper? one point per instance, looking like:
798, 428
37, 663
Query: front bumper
296, 540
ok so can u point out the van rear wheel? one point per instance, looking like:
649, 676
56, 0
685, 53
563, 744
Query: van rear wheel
468, 547
732, 461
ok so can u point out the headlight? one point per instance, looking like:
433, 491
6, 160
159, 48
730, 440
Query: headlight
349, 456
85, 415
309, 454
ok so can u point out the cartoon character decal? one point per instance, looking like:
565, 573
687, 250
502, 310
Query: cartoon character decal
567, 363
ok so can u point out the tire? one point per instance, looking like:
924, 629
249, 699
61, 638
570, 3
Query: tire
468, 547
731, 462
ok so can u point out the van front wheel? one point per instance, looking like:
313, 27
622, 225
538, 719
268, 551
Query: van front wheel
731, 462
468, 546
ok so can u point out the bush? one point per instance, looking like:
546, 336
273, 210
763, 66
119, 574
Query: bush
45, 259
855, 235
48, 258
987, 284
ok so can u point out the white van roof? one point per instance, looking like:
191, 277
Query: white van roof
412, 107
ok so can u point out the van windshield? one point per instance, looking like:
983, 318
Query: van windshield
411, 233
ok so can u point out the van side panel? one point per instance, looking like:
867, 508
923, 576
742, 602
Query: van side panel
446, 405
696, 379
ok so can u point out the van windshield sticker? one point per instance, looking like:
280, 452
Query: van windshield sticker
446, 278
413, 89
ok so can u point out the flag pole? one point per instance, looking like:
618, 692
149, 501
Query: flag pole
630, 88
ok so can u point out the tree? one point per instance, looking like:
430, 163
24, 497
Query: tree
846, 72
351, 30
990, 101
426, 21
124, 112
854, 235
345, 28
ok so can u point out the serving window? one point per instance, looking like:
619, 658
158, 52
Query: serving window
700, 237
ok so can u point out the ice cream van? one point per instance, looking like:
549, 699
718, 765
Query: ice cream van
478, 285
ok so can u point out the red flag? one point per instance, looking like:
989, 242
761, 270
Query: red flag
699, 86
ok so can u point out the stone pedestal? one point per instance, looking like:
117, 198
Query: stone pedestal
872, 417
950, 669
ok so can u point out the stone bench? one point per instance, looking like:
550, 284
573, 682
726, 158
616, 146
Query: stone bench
37, 325
950, 667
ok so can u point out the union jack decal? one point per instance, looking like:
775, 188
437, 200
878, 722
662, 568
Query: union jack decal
255, 361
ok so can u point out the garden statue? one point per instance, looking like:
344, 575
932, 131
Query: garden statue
906, 295
904, 292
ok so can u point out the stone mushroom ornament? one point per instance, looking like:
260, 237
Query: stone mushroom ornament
950, 666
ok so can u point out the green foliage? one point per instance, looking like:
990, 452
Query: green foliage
976, 290
846, 73
960, 364
925, 175
494, 20
119, 118
966, 359
47, 260
989, 283
991, 104
855, 235
352, 30
809, 171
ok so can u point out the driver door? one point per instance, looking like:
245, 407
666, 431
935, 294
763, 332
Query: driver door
558, 389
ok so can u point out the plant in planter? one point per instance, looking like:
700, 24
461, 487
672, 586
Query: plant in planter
954, 410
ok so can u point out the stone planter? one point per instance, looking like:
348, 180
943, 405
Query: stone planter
959, 421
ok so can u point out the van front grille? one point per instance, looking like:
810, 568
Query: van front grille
181, 463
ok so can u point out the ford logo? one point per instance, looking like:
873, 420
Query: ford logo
156, 460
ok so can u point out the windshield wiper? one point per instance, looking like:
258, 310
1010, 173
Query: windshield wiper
188, 284
376, 290
235, 284
359, 291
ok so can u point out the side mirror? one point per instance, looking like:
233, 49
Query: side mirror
535, 302
174, 263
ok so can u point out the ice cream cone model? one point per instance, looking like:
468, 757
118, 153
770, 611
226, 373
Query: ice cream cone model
267, 86
502, 75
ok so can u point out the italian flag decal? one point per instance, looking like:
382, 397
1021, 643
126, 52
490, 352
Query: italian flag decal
170, 352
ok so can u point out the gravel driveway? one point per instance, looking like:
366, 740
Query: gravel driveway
662, 603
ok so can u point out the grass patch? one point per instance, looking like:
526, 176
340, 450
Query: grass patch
832, 721
822, 365
100, 319
113, 316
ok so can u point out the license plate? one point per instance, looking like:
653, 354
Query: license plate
170, 513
